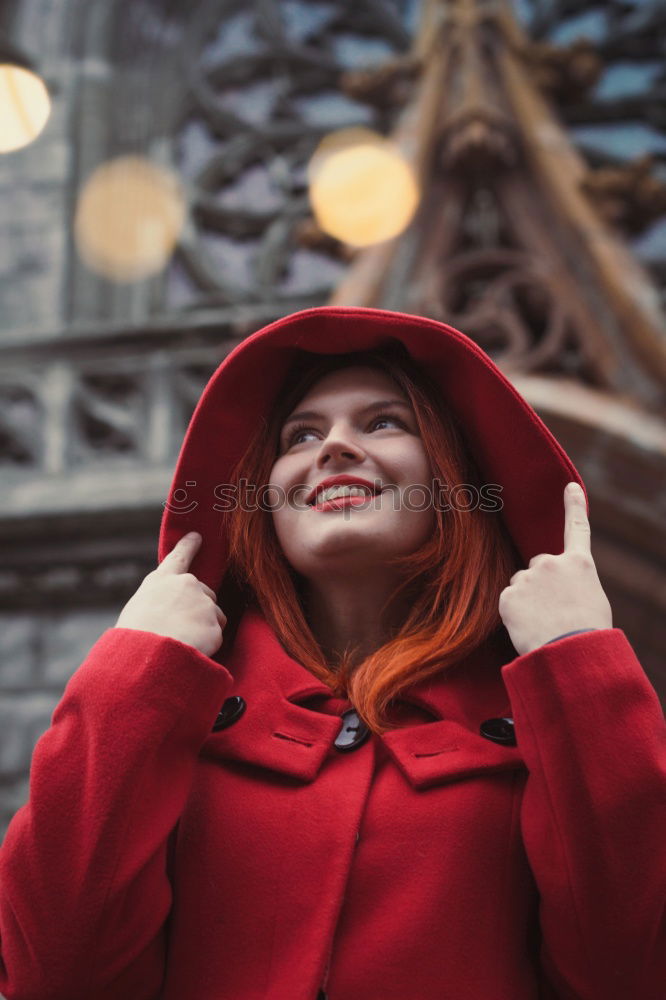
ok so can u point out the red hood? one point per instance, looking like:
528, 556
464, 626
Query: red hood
511, 445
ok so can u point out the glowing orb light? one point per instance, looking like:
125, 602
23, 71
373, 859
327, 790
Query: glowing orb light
25, 107
128, 219
362, 190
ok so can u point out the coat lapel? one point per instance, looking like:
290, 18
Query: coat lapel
445, 751
277, 733
273, 732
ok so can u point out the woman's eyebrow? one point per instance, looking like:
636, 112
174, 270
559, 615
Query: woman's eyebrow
314, 415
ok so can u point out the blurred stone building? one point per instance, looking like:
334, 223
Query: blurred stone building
538, 132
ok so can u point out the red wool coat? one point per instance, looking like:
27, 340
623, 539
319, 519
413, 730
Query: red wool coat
197, 830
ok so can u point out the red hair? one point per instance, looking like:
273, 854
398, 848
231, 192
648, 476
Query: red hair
453, 581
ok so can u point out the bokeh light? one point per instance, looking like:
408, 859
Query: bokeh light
25, 106
129, 216
362, 190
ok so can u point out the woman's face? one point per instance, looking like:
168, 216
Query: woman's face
353, 432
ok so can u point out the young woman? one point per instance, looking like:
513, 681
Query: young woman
367, 731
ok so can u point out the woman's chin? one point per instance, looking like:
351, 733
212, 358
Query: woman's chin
339, 554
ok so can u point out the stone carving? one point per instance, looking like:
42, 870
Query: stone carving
20, 424
60, 417
629, 197
255, 119
564, 73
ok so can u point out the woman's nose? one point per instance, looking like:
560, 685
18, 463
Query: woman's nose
338, 444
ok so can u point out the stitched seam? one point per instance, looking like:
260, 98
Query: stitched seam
514, 833
277, 897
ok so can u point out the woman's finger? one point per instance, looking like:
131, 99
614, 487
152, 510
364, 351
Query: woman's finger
181, 555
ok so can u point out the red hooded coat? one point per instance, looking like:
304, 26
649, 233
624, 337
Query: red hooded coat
162, 855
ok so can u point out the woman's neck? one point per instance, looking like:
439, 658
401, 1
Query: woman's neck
345, 614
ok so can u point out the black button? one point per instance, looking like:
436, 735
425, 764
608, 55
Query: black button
353, 732
499, 731
230, 712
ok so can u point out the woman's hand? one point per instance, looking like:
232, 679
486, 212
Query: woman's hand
557, 594
172, 602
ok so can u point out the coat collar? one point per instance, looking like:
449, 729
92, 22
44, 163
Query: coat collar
439, 741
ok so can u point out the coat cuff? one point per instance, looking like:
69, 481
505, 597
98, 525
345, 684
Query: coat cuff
577, 631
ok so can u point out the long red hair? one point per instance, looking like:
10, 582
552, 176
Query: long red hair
453, 581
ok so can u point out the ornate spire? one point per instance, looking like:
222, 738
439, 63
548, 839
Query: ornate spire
511, 243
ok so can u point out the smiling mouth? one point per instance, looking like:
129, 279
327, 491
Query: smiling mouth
338, 503
367, 493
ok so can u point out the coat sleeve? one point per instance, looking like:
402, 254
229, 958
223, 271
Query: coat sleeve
593, 814
84, 891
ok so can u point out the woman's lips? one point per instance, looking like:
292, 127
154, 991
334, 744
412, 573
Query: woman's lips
339, 503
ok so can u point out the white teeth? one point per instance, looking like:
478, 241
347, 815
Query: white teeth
341, 491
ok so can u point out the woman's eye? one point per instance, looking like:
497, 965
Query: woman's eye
388, 417
298, 432
300, 429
